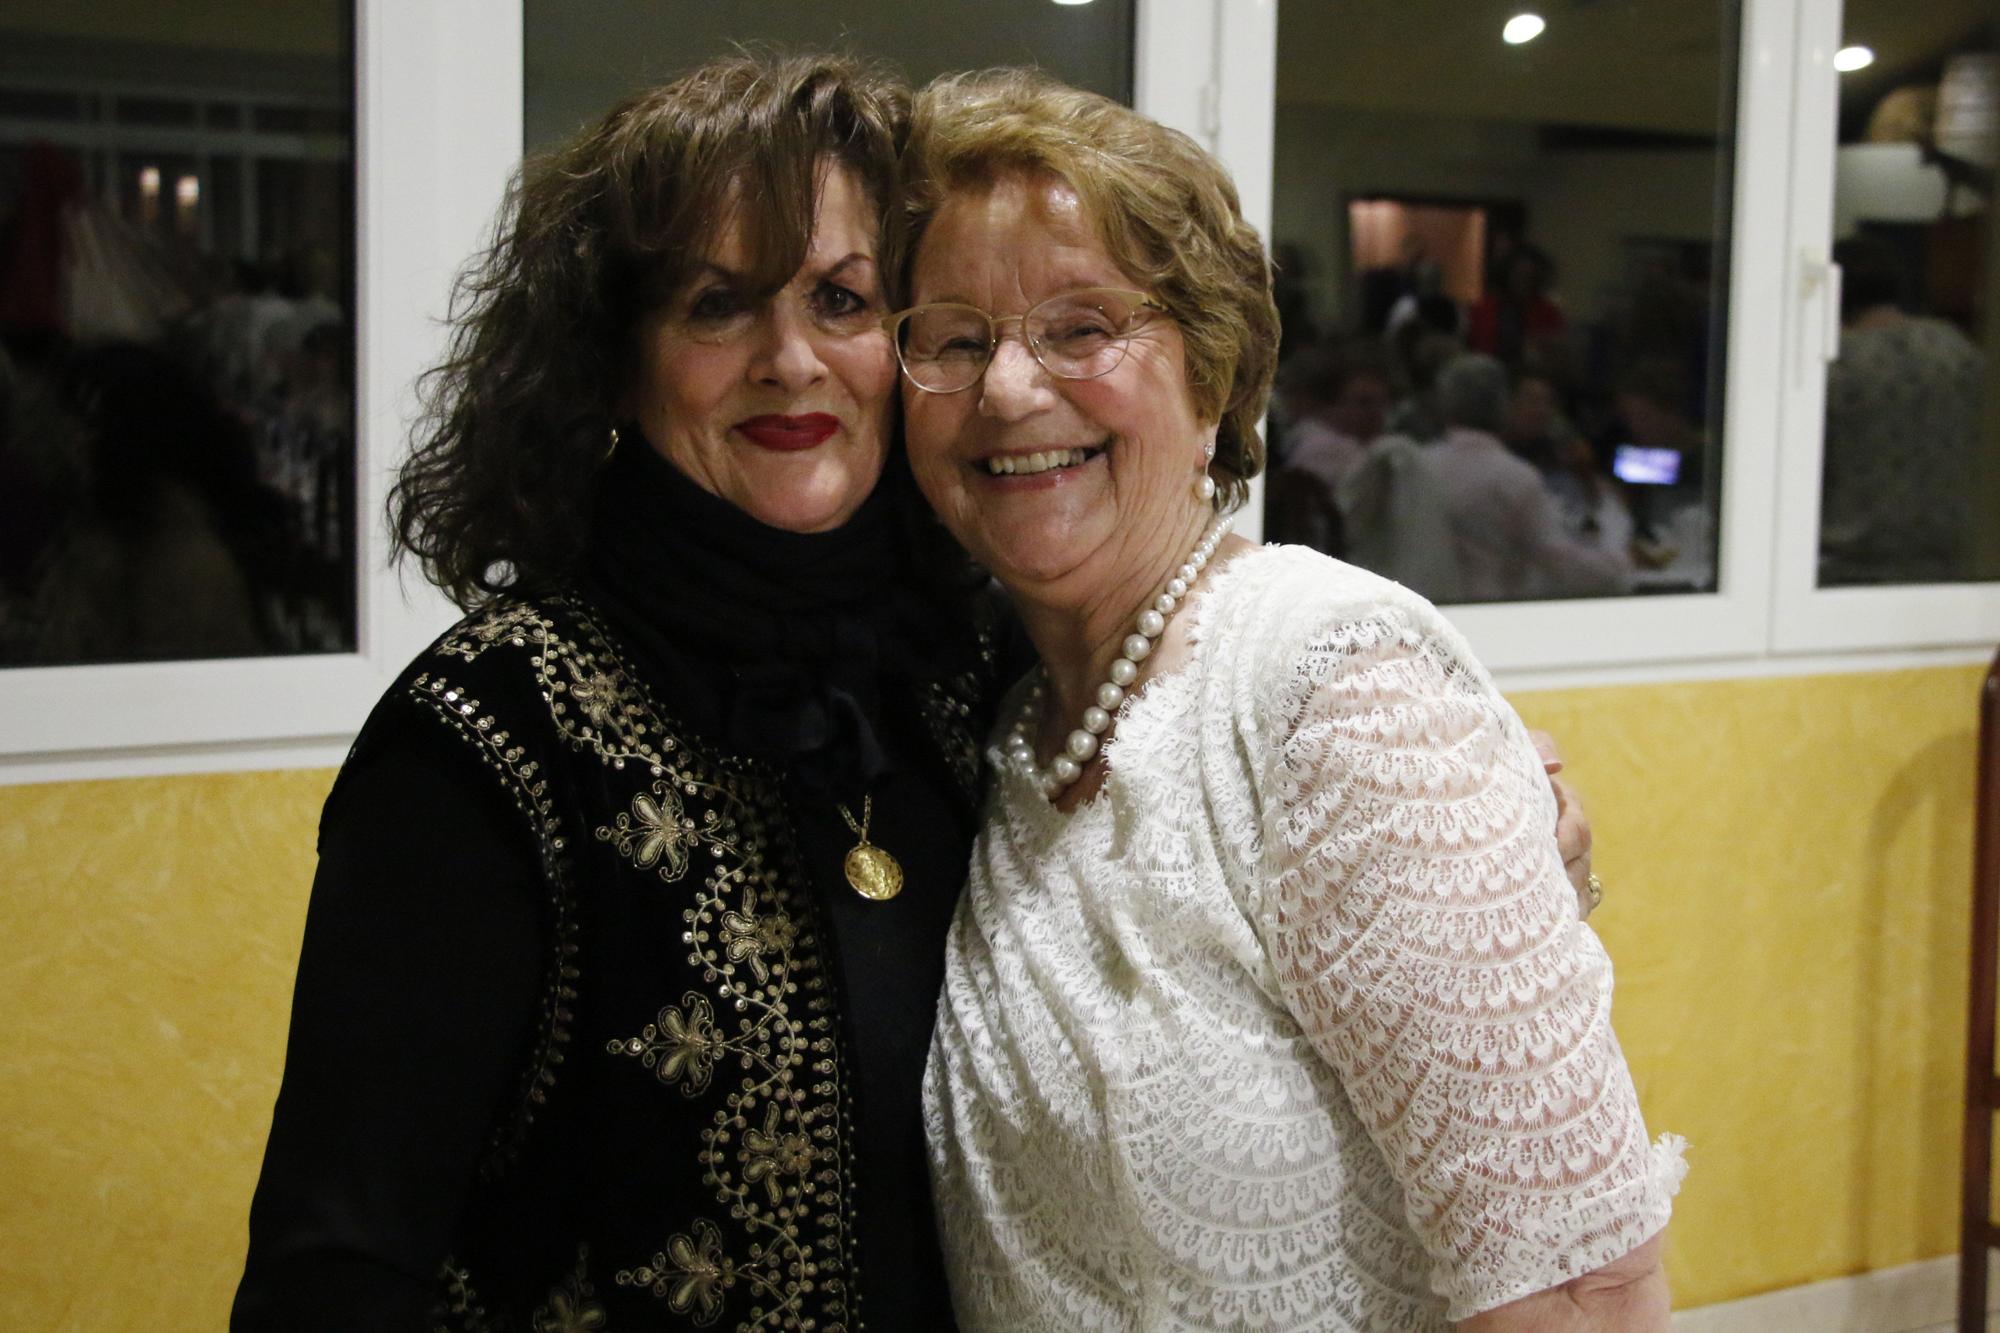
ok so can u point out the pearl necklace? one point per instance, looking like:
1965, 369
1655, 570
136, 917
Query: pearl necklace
1081, 746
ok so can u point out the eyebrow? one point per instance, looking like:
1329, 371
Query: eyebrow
841, 265
846, 262
1060, 289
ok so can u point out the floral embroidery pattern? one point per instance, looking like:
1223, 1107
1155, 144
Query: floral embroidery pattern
572, 1307
770, 1155
657, 832
680, 1047
691, 1271
754, 938
596, 692
516, 622
460, 1302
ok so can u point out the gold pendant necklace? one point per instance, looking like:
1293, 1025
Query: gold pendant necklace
872, 871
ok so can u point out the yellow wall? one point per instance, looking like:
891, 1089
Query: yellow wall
1787, 867
1786, 861
148, 934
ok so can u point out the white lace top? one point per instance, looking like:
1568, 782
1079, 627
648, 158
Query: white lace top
1294, 1025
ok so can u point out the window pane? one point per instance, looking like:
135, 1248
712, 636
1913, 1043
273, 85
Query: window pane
1503, 280
176, 331
582, 58
1910, 490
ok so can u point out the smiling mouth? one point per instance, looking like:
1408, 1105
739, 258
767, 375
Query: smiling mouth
1020, 465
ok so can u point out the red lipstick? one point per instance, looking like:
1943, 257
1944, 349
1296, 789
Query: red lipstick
788, 434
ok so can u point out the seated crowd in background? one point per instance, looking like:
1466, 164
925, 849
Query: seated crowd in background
176, 441
1465, 454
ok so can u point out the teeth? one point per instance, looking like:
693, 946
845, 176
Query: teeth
1016, 465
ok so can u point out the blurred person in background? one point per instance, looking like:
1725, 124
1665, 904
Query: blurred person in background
167, 551
1903, 408
1674, 531
1592, 505
1336, 399
1517, 311
1509, 537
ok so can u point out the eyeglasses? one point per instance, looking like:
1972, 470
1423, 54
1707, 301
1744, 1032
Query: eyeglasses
1080, 335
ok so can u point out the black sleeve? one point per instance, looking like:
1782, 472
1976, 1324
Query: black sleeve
416, 997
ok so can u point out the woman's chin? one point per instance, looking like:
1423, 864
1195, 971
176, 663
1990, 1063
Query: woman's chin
809, 510
1031, 559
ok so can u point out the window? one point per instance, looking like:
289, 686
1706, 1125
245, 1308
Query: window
1504, 271
1909, 467
435, 133
1889, 179
177, 334
580, 59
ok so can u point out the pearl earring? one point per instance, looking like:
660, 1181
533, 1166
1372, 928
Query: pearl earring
1204, 485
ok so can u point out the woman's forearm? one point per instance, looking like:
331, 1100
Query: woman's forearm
1628, 1295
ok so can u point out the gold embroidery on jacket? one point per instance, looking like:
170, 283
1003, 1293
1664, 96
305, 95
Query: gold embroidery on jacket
572, 1305
775, 1148
680, 1046
691, 1271
523, 627
657, 832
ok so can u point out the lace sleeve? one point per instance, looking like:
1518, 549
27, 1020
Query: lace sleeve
1426, 938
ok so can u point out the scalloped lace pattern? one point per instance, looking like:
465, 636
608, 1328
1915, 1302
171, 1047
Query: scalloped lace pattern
1294, 1025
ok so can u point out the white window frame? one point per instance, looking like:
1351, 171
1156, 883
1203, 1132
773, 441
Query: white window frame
1806, 618
1766, 617
438, 130
1206, 67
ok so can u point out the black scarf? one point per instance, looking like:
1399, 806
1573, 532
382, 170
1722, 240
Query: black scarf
782, 645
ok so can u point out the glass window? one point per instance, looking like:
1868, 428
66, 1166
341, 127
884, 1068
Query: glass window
1502, 274
580, 59
176, 332
1910, 482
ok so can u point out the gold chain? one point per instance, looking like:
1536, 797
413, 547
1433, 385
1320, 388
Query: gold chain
867, 813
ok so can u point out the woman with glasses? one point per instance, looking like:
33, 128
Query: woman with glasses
1268, 1004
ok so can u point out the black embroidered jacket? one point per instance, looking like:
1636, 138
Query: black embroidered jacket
679, 1146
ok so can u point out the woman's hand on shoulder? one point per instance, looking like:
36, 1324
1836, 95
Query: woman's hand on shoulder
1572, 823
1627, 1295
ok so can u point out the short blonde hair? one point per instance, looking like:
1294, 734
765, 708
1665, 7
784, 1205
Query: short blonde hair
1161, 206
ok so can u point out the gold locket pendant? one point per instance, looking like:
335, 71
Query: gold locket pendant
871, 872
874, 873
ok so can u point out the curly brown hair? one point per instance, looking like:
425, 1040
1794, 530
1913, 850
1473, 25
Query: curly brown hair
495, 494
1159, 202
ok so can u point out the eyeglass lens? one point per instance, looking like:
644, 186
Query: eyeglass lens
1076, 335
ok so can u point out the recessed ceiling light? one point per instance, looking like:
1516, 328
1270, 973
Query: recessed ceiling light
1522, 28
1072, 2
1850, 58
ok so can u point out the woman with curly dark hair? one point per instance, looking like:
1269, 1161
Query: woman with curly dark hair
627, 932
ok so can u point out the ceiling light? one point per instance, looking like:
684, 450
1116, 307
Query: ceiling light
1850, 58
1072, 2
1522, 28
